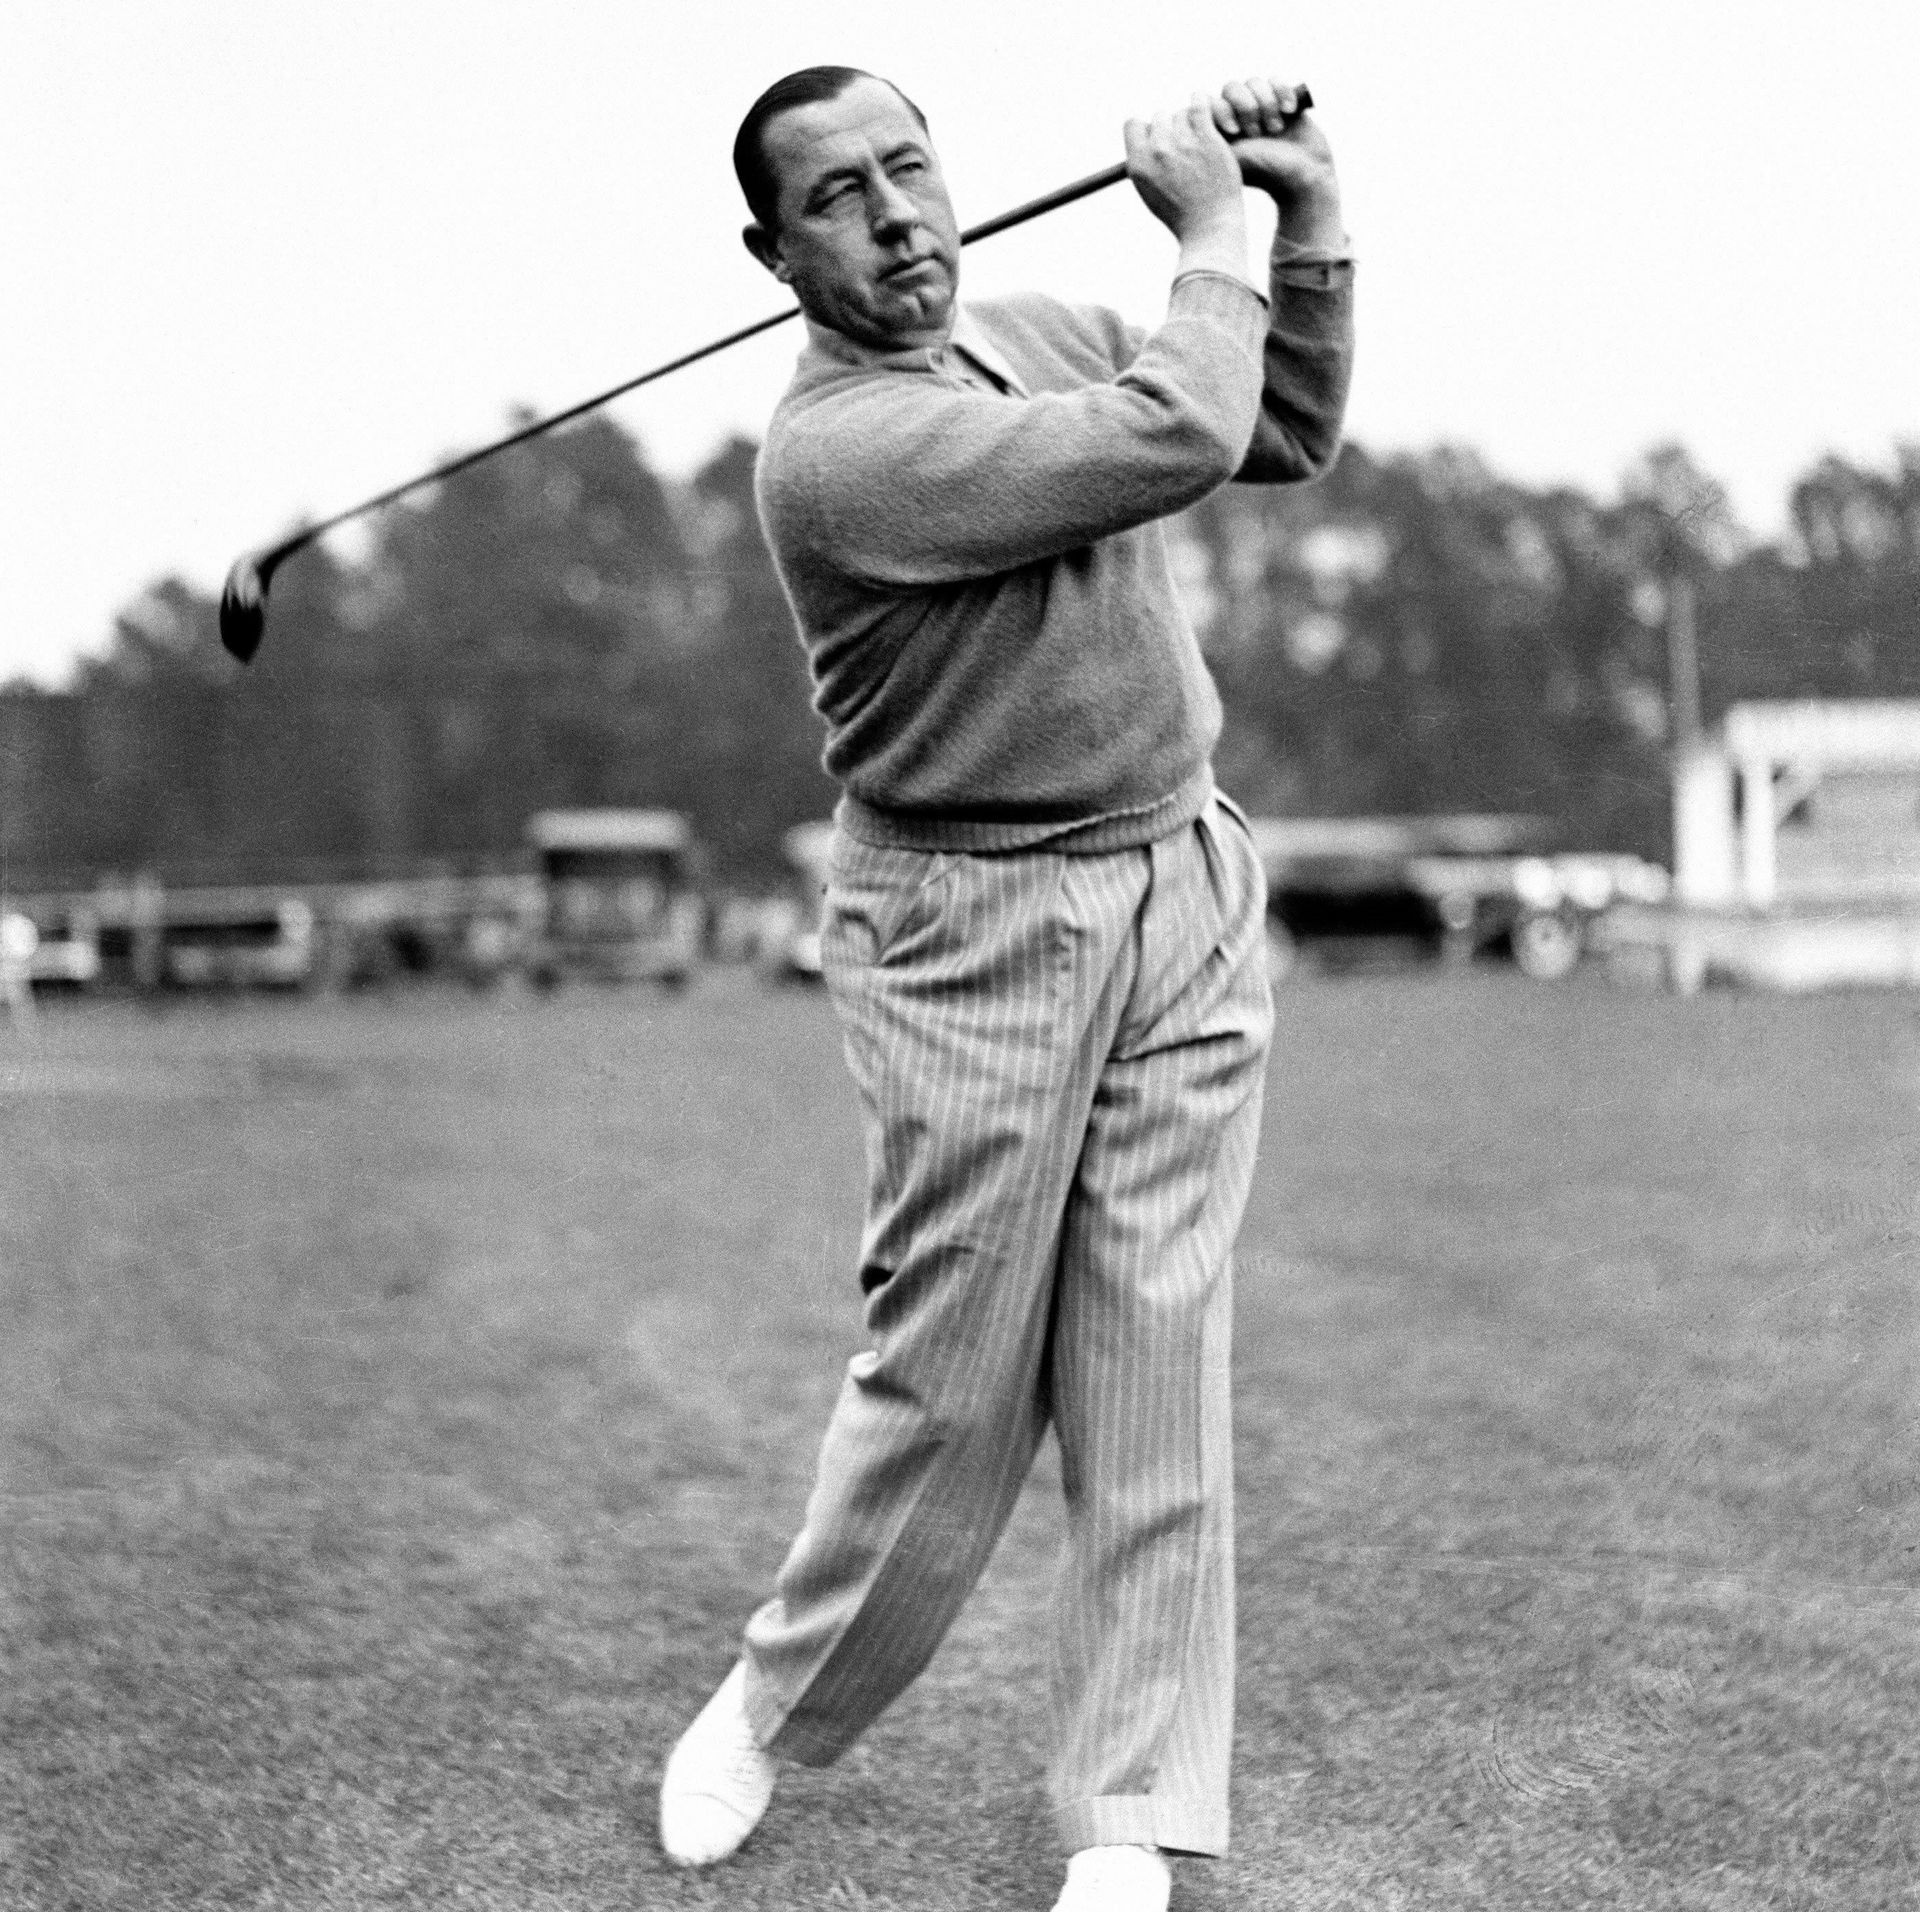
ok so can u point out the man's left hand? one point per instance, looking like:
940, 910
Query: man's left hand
1284, 153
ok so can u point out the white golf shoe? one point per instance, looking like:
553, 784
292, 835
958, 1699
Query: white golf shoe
1116, 1879
718, 1781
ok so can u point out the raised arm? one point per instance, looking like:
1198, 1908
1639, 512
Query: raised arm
912, 482
1309, 343
909, 482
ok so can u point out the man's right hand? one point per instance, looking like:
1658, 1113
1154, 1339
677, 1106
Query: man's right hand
1186, 172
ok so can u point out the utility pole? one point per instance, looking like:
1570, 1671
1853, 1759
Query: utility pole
1703, 847
1683, 662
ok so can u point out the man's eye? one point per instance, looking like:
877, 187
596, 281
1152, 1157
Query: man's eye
909, 166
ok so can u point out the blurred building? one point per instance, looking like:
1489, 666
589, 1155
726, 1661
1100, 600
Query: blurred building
1795, 804
1796, 850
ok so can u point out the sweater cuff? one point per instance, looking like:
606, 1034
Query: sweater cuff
1228, 300
1321, 267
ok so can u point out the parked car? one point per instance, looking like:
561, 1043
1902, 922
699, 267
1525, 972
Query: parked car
1537, 909
237, 941
623, 901
1349, 892
66, 953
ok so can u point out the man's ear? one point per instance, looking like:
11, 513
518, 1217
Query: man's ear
766, 248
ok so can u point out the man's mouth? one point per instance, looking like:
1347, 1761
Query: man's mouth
905, 266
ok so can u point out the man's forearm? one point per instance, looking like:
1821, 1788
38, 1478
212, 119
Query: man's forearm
1312, 221
1220, 246
1308, 354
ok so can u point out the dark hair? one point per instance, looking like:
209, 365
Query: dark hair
808, 87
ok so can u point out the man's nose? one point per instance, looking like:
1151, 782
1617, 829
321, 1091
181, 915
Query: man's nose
890, 209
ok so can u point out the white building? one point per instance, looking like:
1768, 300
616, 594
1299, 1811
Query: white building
1796, 853
1796, 807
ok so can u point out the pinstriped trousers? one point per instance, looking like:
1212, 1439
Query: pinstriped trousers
1060, 1060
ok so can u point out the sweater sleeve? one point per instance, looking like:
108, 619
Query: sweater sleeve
1309, 368
910, 482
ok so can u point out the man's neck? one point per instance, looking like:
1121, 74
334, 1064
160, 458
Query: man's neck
921, 339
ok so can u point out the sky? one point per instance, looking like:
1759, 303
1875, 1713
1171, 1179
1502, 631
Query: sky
262, 258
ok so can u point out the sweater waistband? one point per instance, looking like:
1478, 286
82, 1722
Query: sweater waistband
1087, 836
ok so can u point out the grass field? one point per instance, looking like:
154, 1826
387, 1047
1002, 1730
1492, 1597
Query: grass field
403, 1401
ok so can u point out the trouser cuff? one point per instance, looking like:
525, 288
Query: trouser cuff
788, 1732
1142, 1819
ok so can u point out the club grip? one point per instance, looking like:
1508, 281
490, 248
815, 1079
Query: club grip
1066, 195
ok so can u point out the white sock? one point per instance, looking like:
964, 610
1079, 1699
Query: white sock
1116, 1879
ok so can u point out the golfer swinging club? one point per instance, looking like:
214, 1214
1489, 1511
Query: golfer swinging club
1044, 939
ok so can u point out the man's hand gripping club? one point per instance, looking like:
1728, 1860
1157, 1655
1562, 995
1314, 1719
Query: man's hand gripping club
1191, 179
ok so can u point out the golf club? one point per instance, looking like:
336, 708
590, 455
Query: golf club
243, 601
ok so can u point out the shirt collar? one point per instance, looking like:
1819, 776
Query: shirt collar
970, 337
966, 335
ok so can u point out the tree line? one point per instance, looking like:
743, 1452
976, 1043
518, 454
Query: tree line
561, 625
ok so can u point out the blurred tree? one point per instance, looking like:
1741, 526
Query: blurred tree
1682, 514
559, 626
1841, 601
559, 559
169, 634
761, 741
533, 614
1416, 634
1685, 534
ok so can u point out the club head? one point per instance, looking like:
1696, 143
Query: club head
243, 607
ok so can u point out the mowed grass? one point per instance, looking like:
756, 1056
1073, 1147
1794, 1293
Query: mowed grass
404, 1401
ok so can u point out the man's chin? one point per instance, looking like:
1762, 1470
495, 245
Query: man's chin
913, 311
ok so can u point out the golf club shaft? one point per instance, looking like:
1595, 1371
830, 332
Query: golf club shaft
1018, 216
308, 533
1047, 202
264, 563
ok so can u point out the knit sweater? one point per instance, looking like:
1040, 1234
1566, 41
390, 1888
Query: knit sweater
979, 577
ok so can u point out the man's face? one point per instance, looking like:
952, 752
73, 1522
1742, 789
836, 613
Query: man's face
867, 237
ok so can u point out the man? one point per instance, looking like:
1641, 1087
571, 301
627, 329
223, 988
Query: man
1044, 938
